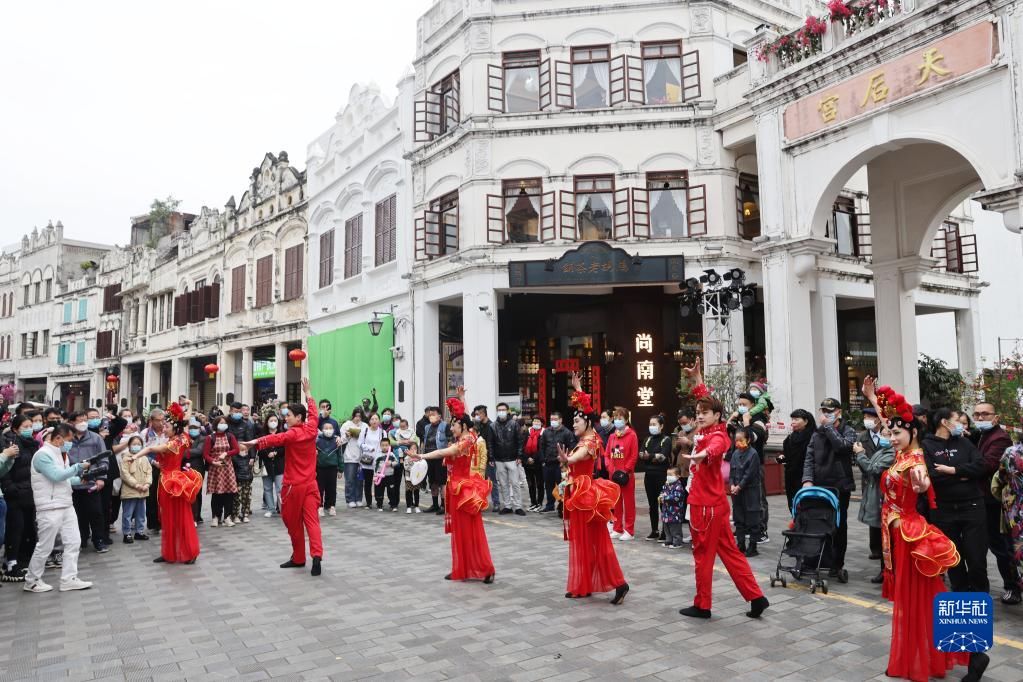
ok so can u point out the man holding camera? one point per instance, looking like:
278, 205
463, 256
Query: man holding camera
87, 494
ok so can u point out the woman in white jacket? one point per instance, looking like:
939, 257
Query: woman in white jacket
52, 477
351, 434
369, 444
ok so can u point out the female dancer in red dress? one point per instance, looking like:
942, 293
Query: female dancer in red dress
592, 562
916, 554
179, 541
466, 495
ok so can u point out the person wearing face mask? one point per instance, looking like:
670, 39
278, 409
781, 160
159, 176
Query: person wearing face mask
87, 495
672, 502
532, 464
656, 457
351, 433
16, 486
484, 428
328, 462
387, 421
244, 473
744, 487
136, 479
829, 464
956, 468
52, 478
868, 440
872, 464
221, 484
507, 456
325, 418
272, 460
992, 442
756, 429
793, 451
622, 455
104, 427
605, 427
238, 426
557, 434
196, 460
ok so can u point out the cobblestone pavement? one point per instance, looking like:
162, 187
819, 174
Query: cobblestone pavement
382, 611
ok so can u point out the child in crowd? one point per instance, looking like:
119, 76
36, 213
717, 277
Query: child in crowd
673, 502
411, 490
385, 476
758, 389
136, 479
744, 486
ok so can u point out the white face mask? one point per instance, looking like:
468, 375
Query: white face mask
555, 423
328, 433
221, 427
869, 424
81, 427
671, 479
501, 414
687, 427
272, 423
605, 422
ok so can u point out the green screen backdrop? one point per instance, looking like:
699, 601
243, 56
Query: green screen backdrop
346, 363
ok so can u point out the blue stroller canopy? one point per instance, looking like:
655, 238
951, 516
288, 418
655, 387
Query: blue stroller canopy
816, 492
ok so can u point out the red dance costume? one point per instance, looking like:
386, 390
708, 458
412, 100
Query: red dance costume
622, 453
592, 562
300, 497
708, 521
179, 542
466, 495
916, 555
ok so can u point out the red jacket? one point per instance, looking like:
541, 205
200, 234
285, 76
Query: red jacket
300, 447
708, 485
622, 451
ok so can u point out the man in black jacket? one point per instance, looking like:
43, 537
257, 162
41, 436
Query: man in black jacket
956, 466
829, 464
992, 444
506, 455
485, 430
238, 426
554, 435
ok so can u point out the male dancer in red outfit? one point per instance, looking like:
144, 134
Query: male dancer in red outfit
708, 511
300, 498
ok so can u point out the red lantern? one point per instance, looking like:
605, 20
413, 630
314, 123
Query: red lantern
211, 369
297, 356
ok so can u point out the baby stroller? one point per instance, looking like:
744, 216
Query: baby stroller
816, 514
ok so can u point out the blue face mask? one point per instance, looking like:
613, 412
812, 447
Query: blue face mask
66, 447
37, 426
94, 423
135, 449
984, 426
655, 430
957, 430
193, 432
285, 412
25, 433
619, 424
236, 416
742, 409
755, 394
884, 442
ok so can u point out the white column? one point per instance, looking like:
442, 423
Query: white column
827, 366
150, 382
968, 339
895, 285
225, 378
281, 371
479, 339
426, 356
247, 390
179, 377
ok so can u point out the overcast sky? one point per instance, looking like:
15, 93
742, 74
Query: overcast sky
107, 105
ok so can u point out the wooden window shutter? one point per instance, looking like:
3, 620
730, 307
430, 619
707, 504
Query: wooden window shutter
214, 307
179, 310
634, 78
450, 225
353, 246
495, 88
264, 281
420, 238
548, 221
495, 219
434, 113
238, 289
293, 272
696, 210
563, 88
433, 235
545, 84
203, 295
640, 212
568, 217
622, 222
392, 228
421, 131
618, 91
326, 258
454, 100
379, 227
691, 88
968, 254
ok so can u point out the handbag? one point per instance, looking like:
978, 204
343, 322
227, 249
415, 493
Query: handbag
620, 477
366, 460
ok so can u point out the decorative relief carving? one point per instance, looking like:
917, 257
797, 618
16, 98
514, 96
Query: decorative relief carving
701, 19
706, 149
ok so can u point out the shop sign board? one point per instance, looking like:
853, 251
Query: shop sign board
566, 365
597, 263
264, 369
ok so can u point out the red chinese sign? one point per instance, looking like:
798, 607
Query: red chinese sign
566, 365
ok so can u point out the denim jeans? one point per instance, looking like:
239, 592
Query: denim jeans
3, 519
353, 487
272, 492
133, 509
495, 490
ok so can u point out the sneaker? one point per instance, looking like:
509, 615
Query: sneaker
332, 511
128, 540
245, 519
37, 586
352, 505
653, 537
102, 549
417, 510
229, 522
59, 558
626, 536
519, 512
505, 511
214, 523
615, 535
687, 539
545, 510
319, 511
433, 508
142, 536
409, 510
267, 515
380, 508
51, 562
14, 575
1011, 597
74, 584
763, 539
394, 509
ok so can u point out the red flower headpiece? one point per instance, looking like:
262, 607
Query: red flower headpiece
700, 391
456, 407
582, 402
177, 412
894, 407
